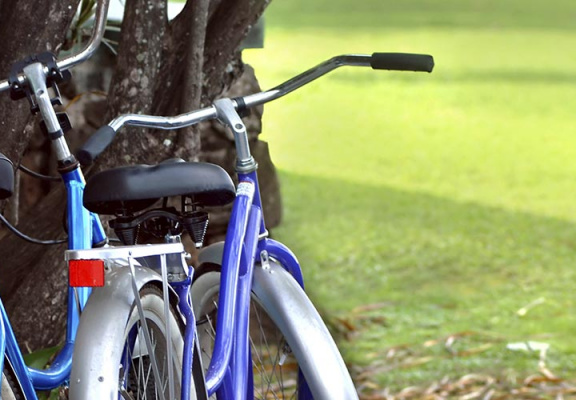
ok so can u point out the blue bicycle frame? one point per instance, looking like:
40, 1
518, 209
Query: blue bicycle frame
230, 371
84, 230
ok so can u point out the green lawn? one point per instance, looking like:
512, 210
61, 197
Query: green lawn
448, 199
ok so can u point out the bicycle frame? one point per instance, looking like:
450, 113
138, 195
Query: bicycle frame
84, 231
246, 244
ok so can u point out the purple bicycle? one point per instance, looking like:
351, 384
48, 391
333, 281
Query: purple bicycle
238, 325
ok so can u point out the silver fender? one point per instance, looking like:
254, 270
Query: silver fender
307, 335
98, 350
309, 339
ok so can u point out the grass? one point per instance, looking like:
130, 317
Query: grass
448, 199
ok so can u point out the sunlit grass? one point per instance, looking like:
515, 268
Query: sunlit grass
452, 196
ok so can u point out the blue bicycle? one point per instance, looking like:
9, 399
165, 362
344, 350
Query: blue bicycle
236, 326
32, 79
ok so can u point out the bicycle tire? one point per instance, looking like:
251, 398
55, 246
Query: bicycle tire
289, 318
136, 376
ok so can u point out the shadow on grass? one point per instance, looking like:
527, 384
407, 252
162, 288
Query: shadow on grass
321, 202
437, 267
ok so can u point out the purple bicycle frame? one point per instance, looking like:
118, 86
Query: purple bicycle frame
230, 371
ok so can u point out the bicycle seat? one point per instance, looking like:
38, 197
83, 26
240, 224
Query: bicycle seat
129, 189
6, 177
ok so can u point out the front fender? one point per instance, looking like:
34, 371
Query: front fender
100, 340
213, 254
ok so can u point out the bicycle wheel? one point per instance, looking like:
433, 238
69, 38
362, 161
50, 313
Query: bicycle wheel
287, 337
137, 378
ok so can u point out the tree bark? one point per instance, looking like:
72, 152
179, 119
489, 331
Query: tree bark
188, 139
133, 87
167, 73
35, 278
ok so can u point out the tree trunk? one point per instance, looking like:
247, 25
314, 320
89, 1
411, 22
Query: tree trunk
188, 138
152, 63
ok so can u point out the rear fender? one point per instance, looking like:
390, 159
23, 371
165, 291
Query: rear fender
98, 348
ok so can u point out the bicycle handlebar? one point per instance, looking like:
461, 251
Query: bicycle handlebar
84, 54
104, 136
100, 140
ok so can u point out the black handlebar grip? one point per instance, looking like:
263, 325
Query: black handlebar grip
95, 145
402, 62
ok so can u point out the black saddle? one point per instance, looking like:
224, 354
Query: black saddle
126, 190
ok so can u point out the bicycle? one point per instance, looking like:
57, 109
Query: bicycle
31, 79
246, 280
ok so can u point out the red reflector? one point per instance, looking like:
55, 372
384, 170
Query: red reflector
86, 273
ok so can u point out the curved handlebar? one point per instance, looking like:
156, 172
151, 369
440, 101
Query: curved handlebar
102, 138
84, 54
388, 61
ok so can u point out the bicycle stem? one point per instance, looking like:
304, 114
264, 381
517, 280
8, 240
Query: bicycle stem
228, 115
36, 77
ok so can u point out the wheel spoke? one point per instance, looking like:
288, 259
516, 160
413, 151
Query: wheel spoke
140, 362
